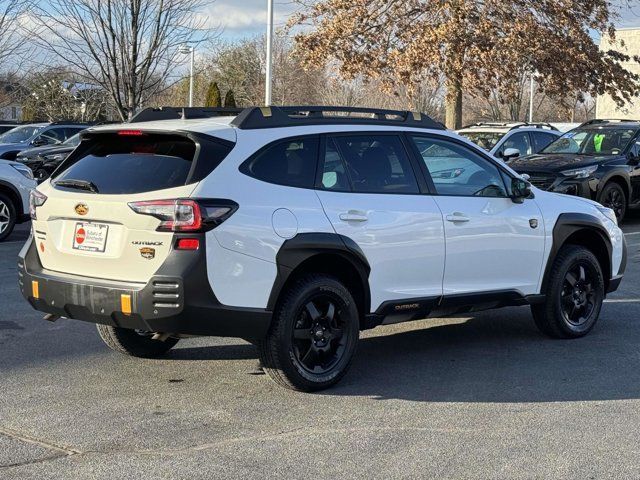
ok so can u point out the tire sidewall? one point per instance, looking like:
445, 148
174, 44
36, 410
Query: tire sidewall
289, 315
12, 216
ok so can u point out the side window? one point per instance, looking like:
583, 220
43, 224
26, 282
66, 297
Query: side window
52, 136
71, 131
541, 140
291, 162
520, 141
374, 163
458, 171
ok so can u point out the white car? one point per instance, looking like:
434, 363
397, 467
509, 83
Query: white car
508, 140
16, 181
297, 227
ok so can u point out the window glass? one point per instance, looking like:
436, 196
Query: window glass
377, 163
71, 131
456, 170
291, 162
334, 175
486, 140
593, 141
51, 136
541, 140
128, 165
520, 141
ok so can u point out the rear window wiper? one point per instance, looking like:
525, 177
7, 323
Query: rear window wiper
78, 184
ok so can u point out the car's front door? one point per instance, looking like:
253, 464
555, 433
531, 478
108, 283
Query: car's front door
371, 194
492, 243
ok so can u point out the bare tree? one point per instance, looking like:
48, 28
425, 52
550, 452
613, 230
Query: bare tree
128, 47
11, 40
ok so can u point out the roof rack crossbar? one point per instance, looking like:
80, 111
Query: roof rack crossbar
290, 116
176, 113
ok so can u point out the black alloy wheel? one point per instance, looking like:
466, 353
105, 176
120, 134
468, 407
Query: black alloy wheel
613, 197
578, 295
319, 336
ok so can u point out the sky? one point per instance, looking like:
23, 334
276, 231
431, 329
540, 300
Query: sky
242, 18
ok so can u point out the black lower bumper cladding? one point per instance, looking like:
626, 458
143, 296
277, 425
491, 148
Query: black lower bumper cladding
177, 299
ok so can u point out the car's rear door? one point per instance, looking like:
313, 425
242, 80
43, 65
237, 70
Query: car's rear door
370, 193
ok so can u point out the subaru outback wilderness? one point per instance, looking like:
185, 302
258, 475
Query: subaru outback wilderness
297, 227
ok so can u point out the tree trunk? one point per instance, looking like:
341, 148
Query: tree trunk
453, 104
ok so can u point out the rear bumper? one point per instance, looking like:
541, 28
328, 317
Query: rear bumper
177, 299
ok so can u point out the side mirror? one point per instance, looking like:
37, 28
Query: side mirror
510, 154
38, 142
520, 190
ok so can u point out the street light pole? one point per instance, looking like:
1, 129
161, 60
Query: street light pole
267, 87
187, 49
191, 78
533, 86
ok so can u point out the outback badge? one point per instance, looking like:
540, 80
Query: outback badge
81, 209
148, 253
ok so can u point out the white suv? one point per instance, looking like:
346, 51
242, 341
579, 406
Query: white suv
296, 227
508, 140
16, 181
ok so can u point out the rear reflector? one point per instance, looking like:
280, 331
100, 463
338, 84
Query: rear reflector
131, 133
35, 290
188, 244
125, 304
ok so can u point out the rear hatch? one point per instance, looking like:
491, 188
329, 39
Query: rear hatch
86, 225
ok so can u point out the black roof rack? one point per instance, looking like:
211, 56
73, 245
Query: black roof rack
597, 121
291, 116
177, 113
513, 125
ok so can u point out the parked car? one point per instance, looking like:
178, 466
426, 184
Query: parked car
507, 140
36, 135
44, 160
16, 181
297, 227
599, 160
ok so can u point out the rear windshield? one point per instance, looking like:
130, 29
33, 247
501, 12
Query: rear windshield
117, 165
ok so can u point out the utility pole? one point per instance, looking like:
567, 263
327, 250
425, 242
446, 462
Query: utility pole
533, 86
269, 72
187, 49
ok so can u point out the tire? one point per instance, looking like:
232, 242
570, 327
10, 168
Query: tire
8, 216
613, 197
313, 335
574, 294
134, 343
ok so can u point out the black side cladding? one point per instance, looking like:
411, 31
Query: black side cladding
304, 246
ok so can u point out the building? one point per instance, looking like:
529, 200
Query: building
605, 106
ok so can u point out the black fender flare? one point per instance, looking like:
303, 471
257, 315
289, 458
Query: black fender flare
566, 225
304, 246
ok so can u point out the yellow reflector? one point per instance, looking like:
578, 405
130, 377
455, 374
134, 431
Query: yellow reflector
35, 291
125, 304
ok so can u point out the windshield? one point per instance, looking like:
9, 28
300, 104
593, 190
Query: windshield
593, 141
486, 140
19, 134
72, 141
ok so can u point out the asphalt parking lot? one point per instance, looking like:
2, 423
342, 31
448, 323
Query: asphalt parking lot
480, 397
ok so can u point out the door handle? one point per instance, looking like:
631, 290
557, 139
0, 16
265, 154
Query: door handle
353, 216
457, 217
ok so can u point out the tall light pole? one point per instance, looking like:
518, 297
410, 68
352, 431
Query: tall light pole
533, 86
267, 86
186, 49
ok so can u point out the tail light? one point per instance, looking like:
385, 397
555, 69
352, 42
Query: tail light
182, 215
36, 199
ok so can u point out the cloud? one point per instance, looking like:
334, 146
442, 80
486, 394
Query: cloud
246, 15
